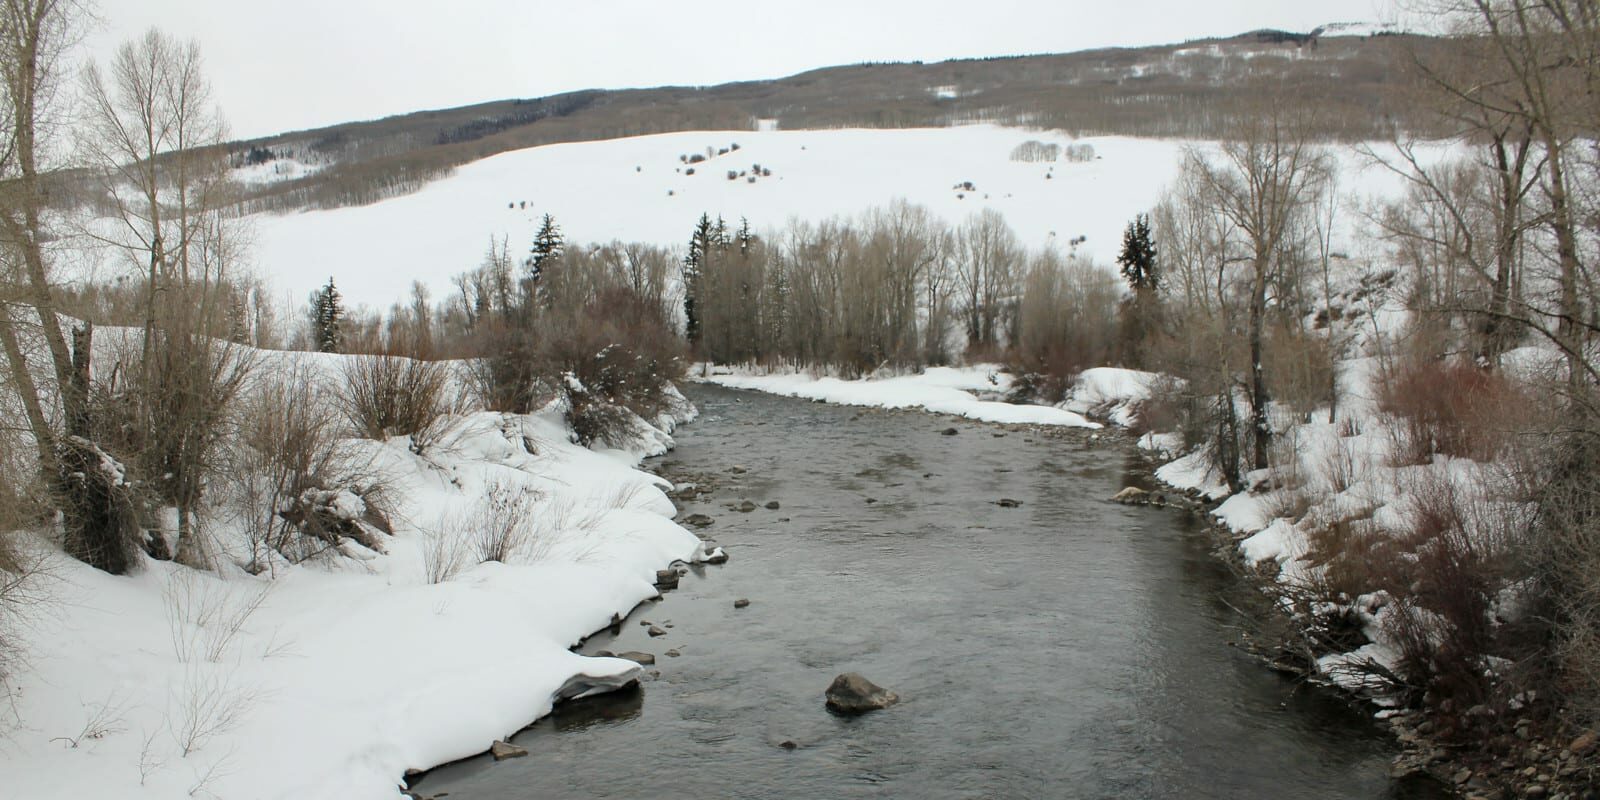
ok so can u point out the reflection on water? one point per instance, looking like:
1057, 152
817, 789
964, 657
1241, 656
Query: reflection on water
611, 708
1067, 647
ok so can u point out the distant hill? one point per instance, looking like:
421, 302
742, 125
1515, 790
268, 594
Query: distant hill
1196, 89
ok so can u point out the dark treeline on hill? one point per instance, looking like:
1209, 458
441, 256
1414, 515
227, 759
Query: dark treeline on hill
1197, 90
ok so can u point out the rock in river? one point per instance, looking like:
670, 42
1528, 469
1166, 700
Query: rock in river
698, 520
747, 507
505, 750
851, 693
1130, 496
642, 659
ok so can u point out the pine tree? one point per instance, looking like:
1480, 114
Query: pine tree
327, 311
701, 243
1138, 258
746, 238
547, 248
719, 235
1141, 314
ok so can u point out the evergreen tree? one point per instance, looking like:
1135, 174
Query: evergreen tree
1141, 314
719, 235
327, 310
746, 238
547, 248
1138, 258
701, 242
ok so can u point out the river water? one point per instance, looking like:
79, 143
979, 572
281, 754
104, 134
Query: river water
1068, 647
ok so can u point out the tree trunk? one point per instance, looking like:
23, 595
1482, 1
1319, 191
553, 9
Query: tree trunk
1260, 424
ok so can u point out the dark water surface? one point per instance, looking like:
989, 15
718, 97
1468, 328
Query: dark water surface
1068, 648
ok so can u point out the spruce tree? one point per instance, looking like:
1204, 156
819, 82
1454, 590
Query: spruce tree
1140, 315
547, 247
327, 311
1138, 258
700, 243
746, 238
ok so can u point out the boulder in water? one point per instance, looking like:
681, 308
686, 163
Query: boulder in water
851, 693
1131, 496
504, 750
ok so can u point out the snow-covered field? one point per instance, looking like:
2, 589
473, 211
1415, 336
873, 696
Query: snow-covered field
638, 189
333, 678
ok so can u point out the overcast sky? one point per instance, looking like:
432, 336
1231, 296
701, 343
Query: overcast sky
294, 64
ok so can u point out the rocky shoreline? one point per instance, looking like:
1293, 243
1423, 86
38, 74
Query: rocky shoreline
1531, 763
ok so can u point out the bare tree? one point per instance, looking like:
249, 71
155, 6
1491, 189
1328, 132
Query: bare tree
987, 266
152, 135
1261, 181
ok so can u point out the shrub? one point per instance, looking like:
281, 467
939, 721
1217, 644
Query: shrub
1445, 570
1449, 408
298, 490
386, 395
1034, 150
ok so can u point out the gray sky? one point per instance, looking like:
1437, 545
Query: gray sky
293, 64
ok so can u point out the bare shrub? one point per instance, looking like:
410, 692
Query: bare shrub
1564, 561
1448, 408
299, 490
502, 524
1064, 323
387, 395
205, 703
1455, 558
1035, 151
100, 720
205, 617
1301, 368
507, 376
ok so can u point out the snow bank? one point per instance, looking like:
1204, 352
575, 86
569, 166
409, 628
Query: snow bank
332, 680
1113, 393
940, 390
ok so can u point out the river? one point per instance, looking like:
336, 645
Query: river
1067, 647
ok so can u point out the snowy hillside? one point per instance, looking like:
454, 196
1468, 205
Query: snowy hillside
639, 189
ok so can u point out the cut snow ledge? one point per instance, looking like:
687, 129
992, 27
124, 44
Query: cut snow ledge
941, 390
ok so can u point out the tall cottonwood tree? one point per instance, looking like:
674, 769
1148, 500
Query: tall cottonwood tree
153, 137
35, 36
1265, 178
987, 265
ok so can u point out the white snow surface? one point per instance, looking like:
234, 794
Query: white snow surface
352, 670
596, 194
638, 189
939, 390
1113, 393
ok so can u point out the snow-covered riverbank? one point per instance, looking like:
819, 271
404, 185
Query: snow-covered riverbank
333, 678
958, 391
